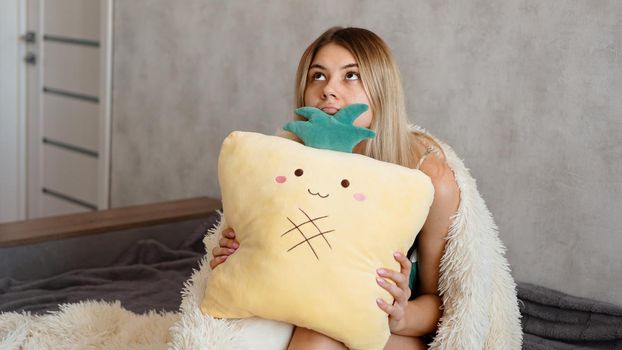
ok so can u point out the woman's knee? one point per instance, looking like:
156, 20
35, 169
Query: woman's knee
304, 338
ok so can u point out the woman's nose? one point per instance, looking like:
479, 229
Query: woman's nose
326, 93
329, 90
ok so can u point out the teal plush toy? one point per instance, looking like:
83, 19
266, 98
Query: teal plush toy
330, 132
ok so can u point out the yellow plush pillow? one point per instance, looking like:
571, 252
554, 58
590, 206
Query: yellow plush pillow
313, 226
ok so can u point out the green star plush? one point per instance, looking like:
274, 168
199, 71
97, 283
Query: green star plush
330, 132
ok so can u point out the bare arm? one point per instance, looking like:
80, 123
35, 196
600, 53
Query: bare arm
423, 313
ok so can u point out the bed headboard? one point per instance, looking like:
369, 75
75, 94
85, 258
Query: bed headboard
83, 224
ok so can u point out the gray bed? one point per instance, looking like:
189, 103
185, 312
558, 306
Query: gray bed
145, 266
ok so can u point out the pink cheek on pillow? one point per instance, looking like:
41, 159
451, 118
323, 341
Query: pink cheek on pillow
359, 197
280, 179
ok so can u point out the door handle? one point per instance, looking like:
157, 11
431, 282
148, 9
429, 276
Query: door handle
30, 58
30, 37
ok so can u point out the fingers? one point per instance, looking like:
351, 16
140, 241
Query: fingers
228, 243
217, 261
399, 294
400, 290
396, 311
405, 267
229, 233
402, 277
220, 251
405, 263
226, 247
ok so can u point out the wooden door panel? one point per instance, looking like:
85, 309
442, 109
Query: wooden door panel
70, 173
79, 19
71, 121
71, 68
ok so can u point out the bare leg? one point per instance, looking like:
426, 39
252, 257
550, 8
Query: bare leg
400, 342
304, 339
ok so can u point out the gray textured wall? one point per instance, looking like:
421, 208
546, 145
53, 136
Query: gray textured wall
527, 93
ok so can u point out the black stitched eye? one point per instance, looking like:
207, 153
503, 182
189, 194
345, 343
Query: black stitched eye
345, 183
298, 172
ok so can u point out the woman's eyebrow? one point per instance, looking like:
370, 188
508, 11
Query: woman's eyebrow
319, 66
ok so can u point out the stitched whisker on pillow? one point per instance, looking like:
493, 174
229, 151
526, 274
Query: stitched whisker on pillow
318, 229
302, 224
310, 238
306, 239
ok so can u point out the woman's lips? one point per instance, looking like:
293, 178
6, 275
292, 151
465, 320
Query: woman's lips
330, 110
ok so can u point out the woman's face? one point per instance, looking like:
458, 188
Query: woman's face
334, 82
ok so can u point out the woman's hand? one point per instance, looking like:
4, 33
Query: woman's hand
400, 291
227, 246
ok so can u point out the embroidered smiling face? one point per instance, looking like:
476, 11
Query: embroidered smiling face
345, 183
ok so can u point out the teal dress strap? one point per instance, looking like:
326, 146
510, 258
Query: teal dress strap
413, 276
412, 281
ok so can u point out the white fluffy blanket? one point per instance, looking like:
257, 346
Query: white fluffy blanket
101, 325
479, 297
478, 292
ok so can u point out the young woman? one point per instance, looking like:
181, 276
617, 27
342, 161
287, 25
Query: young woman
352, 65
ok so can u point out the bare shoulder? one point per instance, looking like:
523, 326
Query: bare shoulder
446, 190
443, 179
434, 163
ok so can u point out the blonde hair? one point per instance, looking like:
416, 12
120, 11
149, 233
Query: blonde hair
381, 81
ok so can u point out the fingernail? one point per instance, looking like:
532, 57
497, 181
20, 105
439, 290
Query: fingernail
235, 245
382, 272
380, 280
231, 250
397, 254
379, 301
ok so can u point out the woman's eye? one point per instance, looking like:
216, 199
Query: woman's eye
352, 76
319, 76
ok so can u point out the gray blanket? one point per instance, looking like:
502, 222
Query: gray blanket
150, 276
554, 320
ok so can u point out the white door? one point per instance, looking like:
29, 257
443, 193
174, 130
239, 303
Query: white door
68, 105
12, 116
